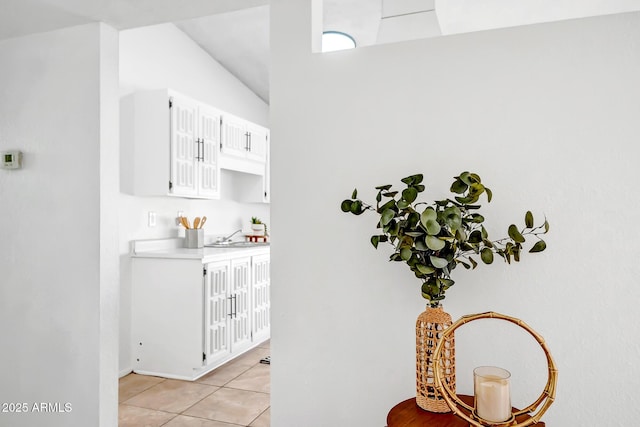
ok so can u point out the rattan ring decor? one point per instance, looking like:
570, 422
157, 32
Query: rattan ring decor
541, 404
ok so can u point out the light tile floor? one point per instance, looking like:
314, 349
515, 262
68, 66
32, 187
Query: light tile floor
235, 394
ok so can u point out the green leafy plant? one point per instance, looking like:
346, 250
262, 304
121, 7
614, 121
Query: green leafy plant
255, 220
434, 238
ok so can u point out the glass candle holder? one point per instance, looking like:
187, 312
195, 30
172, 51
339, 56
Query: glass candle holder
492, 393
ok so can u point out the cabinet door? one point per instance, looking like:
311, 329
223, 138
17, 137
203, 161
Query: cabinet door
260, 297
167, 316
240, 284
183, 147
235, 140
258, 138
208, 166
216, 311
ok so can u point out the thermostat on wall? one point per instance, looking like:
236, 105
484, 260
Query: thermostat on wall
11, 159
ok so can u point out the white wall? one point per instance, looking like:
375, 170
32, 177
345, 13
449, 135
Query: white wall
109, 194
548, 116
162, 56
464, 16
59, 287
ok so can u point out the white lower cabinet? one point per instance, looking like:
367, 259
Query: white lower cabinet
227, 310
190, 317
260, 300
240, 316
217, 310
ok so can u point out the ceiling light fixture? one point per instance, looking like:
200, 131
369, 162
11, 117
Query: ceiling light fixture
336, 40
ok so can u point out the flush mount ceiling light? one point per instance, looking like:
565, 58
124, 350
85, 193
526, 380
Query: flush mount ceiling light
336, 40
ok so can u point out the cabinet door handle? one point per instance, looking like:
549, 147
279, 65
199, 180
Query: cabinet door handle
235, 303
246, 139
230, 306
202, 142
198, 148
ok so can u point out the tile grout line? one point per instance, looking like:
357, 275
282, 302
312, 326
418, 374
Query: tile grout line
168, 421
232, 379
214, 391
244, 389
175, 414
221, 387
165, 380
156, 410
210, 419
142, 391
149, 409
232, 388
205, 419
215, 387
261, 414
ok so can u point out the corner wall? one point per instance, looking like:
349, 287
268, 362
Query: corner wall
548, 116
58, 293
109, 256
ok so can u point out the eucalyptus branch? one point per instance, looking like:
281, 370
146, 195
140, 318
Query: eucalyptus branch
434, 240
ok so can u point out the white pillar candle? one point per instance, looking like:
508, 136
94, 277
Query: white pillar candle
492, 393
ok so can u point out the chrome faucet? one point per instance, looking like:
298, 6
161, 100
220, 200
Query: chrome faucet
228, 238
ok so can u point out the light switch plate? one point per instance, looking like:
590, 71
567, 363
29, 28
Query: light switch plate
152, 219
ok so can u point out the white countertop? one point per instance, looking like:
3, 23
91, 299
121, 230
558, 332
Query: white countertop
172, 248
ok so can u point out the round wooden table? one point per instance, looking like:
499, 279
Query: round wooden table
409, 414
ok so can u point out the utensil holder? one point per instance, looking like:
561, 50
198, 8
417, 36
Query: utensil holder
194, 238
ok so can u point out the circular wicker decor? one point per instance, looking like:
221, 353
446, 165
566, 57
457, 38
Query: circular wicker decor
545, 399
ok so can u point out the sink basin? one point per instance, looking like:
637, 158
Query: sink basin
236, 244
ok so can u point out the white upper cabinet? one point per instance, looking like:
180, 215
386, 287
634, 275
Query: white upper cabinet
209, 167
185, 147
244, 145
195, 138
174, 145
258, 140
235, 141
169, 145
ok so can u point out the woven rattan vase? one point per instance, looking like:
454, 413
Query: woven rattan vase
429, 327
